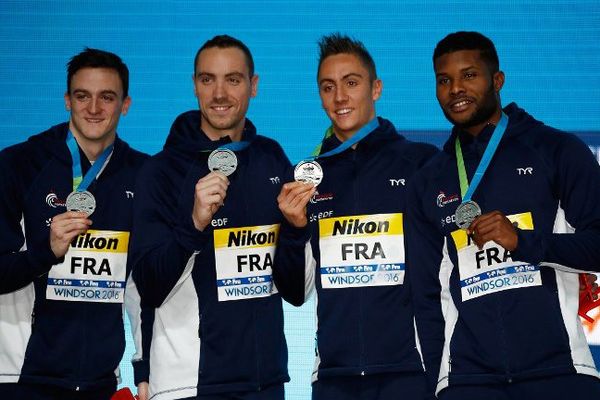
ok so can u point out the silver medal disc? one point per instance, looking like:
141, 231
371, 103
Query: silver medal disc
466, 213
308, 171
81, 202
223, 161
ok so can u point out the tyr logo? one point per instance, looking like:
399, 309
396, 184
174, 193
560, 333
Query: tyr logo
397, 182
525, 171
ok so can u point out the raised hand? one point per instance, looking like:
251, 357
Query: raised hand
292, 200
64, 228
209, 195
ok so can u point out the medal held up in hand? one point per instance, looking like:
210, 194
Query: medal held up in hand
466, 213
82, 202
222, 160
309, 172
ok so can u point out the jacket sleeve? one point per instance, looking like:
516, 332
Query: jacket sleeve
424, 256
164, 240
294, 264
575, 242
141, 320
20, 262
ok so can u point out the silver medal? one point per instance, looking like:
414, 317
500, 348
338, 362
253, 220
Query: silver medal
223, 161
466, 213
308, 171
81, 202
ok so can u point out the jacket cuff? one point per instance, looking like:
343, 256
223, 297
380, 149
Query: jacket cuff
141, 371
191, 238
289, 234
530, 247
42, 259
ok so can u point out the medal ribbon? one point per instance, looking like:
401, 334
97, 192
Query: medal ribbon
80, 183
235, 146
358, 136
466, 189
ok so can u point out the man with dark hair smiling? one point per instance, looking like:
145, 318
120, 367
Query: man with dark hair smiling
348, 244
494, 276
205, 230
66, 212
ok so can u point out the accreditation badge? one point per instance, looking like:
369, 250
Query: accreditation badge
244, 261
491, 269
94, 269
361, 251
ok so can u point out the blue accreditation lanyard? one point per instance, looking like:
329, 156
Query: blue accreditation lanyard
466, 189
80, 184
357, 137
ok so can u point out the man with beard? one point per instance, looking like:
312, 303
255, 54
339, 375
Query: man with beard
498, 227
348, 245
205, 228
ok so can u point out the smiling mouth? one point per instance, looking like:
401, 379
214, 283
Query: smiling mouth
221, 110
343, 111
460, 105
94, 120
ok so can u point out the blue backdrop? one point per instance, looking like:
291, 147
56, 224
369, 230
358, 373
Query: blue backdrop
549, 50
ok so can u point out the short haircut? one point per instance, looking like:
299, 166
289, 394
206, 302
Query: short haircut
94, 58
462, 40
224, 42
336, 43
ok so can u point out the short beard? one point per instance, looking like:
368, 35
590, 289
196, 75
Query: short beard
488, 107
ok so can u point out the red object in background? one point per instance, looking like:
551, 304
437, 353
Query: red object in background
123, 394
586, 298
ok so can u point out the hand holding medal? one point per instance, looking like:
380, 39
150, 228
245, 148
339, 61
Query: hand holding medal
493, 226
293, 199
211, 190
209, 196
64, 228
